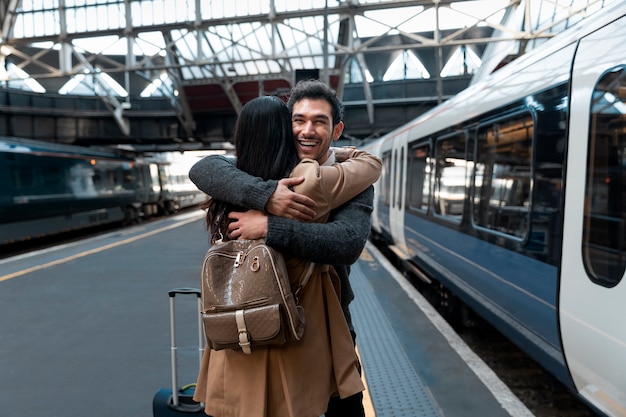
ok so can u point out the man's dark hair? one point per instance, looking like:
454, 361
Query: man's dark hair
316, 90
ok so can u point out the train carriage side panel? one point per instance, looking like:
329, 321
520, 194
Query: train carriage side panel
55, 188
492, 230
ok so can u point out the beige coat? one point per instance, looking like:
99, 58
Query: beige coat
297, 379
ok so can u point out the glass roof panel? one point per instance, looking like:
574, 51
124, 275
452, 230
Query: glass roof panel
489, 10
186, 45
101, 45
463, 61
406, 66
354, 74
273, 67
227, 38
380, 22
219, 9
149, 43
291, 6
36, 23
21, 80
158, 87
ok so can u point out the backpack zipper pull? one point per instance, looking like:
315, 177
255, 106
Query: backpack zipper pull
239, 258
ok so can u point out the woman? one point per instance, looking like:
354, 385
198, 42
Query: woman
296, 379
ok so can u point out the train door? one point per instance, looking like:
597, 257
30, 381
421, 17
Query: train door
397, 196
379, 189
592, 302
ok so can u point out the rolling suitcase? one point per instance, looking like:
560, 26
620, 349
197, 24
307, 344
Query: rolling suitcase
176, 401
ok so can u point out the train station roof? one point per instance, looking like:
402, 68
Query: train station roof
211, 57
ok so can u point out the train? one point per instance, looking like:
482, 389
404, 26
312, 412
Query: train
510, 198
49, 188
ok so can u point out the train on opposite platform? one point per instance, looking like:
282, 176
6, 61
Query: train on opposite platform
512, 196
50, 188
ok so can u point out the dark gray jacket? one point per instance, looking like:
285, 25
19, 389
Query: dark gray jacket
339, 242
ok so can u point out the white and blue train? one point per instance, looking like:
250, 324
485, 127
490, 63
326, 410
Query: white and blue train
512, 195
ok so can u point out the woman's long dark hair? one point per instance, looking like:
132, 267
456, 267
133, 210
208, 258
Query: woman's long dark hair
264, 148
264, 139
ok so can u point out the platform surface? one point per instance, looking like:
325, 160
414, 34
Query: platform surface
84, 331
415, 364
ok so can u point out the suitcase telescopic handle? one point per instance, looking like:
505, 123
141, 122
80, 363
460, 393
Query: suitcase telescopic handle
173, 346
172, 293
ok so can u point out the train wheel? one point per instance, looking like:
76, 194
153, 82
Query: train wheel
131, 216
170, 207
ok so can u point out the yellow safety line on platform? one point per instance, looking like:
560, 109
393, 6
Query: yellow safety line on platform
367, 399
92, 251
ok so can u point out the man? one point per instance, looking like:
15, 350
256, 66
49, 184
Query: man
317, 122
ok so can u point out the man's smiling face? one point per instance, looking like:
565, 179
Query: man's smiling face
313, 130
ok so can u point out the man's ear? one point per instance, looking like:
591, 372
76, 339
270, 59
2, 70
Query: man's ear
337, 130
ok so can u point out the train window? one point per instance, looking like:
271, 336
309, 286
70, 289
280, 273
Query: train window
104, 179
22, 179
449, 181
97, 180
53, 178
604, 243
502, 175
128, 178
386, 178
418, 179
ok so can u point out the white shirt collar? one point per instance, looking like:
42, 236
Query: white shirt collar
331, 158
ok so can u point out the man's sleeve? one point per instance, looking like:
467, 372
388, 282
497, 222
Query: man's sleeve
218, 177
340, 241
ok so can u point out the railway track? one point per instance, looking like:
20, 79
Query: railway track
542, 394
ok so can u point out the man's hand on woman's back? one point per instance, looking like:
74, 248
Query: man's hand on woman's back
286, 203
